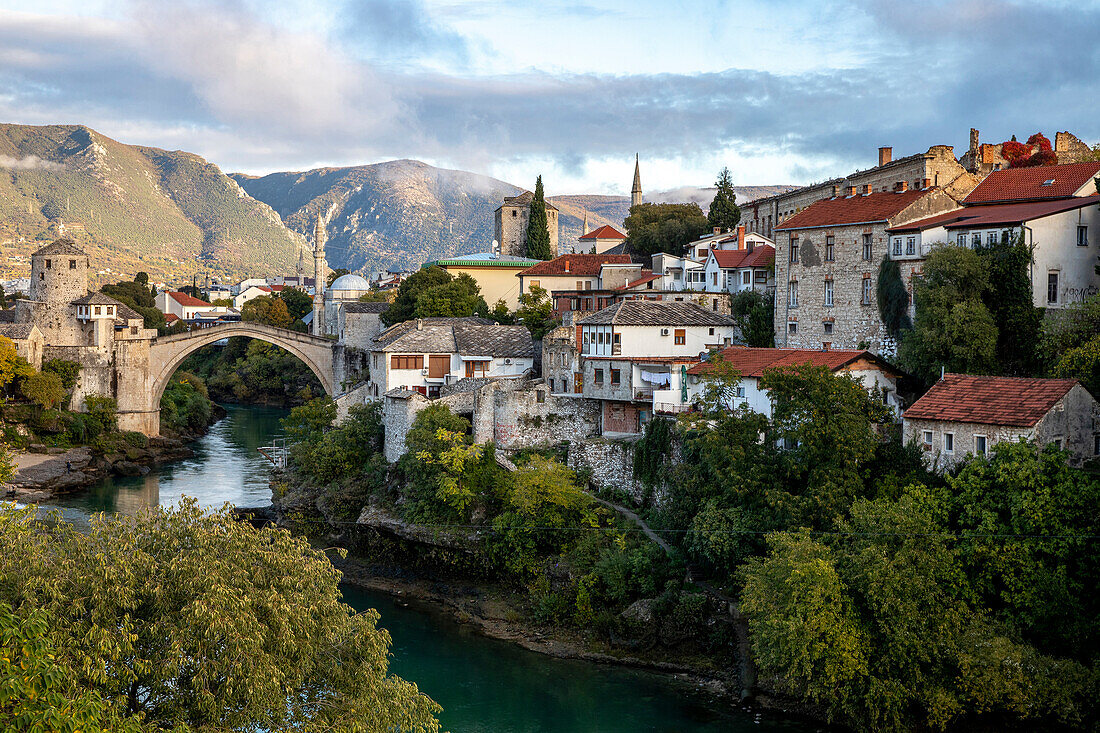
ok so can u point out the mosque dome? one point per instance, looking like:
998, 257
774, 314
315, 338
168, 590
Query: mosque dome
349, 282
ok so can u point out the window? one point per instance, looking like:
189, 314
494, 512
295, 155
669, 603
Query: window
133, 330
597, 376
867, 247
680, 337
710, 331
910, 245
48, 264
865, 291
580, 285
828, 325
476, 368
792, 294
714, 278
616, 376
535, 283
41, 276
980, 445
746, 278
1052, 288
98, 310
1058, 443
897, 247
948, 442
540, 396
792, 327
1005, 235
407, 362
513, 213
740, 391
1082, 236
828, 293
991, 238
714, 305
964, 237
72, 264
794, 249
977, 239
927, 440
829, 249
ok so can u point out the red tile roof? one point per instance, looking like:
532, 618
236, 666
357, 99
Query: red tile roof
646, 277
761, 256
575, 264
998, 214
185, 299
170, 318
751, 362
605, 232
1026, 184
1014, 401
851, 210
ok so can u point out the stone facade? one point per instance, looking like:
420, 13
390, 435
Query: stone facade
510, 225
609, 463
935, 168
851, 320
561, 361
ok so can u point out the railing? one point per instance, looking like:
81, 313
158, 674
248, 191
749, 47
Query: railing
671, 408
277, 452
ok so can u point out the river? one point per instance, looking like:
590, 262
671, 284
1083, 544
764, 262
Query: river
483, 684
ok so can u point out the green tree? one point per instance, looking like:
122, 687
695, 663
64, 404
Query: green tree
3, 298
7, 467
1081, 363
404, 304
12, 366
136, 295
954, 329
142, 279
67, 371
724, 212
44, 389
653, 228
536, 312
501, 314
893, 299
103, 411
376, 296
308, 422
538, 230
339, 271
1009, 300
185, 404
755, 314
194, 618
267, 310
298, 302
460, 297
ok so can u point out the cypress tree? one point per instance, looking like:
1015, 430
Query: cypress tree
893, 298
1009, 300
723, 211
538, 232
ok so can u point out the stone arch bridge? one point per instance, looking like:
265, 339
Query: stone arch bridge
139, 397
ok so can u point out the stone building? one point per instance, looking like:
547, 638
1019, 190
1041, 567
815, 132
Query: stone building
107, 338
26, 338
826, 267
510, 222
984, 158
966, 415
935, 168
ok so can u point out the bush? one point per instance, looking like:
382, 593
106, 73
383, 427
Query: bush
136, 439
44, 389
67, 371
102, 410
185, 405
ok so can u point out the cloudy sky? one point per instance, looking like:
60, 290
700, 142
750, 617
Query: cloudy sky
781, 91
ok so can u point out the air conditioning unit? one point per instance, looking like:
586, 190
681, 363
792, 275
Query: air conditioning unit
664, 332
507, 361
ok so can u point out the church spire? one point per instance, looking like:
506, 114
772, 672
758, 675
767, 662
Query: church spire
636, 189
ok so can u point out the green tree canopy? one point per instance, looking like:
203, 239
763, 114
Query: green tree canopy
893, 298
653, 228
335, 274
298, 302
724, 212
404, 304
266, 309
139, 297
538, 229
954, 329
1009, 300
754, 313
194, 619
458, 298
536, 311
43, 389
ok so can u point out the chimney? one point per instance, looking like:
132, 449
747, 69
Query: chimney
867, 190
567, 264
903, 186
973, 140
885, 155
419, 324
740, 236
851, 191
926, 183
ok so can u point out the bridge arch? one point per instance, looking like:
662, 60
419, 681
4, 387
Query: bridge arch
166, 353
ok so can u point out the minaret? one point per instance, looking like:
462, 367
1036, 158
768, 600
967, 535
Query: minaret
319, 277
636, 189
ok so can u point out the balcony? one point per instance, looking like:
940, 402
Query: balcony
671, 408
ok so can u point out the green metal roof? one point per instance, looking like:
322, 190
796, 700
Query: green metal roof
487, 262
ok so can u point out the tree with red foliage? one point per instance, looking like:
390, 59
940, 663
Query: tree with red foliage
1014, 151
1042, 141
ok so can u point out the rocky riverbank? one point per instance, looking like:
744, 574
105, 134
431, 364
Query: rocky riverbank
44, 473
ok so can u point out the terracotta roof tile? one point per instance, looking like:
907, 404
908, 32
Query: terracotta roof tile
1014, 401
185, 299
752, 362
1026, 184
760, 256
851, 210
992, 215
605, 232
647, 276
576, 264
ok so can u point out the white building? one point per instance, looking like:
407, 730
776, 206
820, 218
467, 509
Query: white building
254, 291
424, 354
873, 372
734, 270
182, 306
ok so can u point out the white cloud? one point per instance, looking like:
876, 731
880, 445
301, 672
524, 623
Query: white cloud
31, 162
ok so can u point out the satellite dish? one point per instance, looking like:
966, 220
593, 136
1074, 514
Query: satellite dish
496, 248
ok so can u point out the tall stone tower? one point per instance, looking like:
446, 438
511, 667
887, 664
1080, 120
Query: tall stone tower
510, 225
636, 189
59, 275
319, 277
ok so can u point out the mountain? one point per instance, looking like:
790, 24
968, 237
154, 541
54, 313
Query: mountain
408, 212
169, 213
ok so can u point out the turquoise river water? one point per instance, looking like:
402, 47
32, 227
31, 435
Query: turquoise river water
484, 685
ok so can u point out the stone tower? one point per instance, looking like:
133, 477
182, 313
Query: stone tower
510, 222
319, 277
59, 273
636, 189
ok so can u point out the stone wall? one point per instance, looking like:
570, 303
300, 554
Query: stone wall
533, 418
609, 463
1075, 420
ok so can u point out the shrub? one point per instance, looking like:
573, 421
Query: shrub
44, 389
103, 410
136, 439
67, 371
